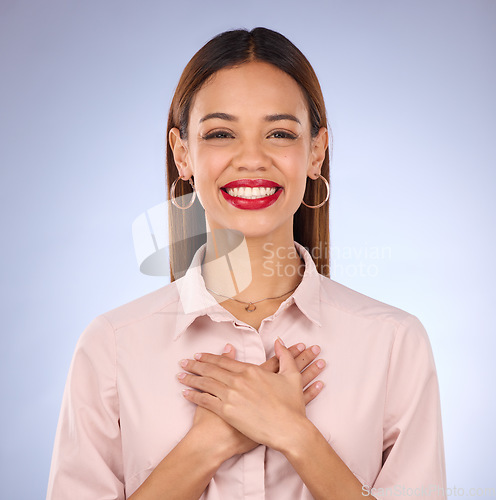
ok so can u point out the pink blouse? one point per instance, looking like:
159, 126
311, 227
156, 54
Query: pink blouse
123, 411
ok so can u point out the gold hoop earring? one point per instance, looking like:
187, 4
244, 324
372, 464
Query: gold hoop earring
326, 198
173, 194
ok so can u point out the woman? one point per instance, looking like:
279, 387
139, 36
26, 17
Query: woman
190, 391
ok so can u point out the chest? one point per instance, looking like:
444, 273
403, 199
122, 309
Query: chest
154, 416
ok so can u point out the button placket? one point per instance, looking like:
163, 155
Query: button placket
254, 474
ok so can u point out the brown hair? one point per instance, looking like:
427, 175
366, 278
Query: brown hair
187, 229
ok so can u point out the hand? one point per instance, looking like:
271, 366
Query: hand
214, 428
211, 426
261, 404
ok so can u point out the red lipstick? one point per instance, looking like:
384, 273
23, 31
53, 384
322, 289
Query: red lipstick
251, 204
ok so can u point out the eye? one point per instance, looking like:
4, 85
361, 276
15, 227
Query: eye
282, 134
218, 134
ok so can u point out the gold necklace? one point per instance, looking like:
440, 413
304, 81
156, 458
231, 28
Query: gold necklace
251, 305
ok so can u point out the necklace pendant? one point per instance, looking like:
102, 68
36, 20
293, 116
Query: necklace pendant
250, 307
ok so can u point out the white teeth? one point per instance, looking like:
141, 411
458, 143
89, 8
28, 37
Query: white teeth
251, 193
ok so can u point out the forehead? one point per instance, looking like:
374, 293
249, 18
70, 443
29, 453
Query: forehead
251, 89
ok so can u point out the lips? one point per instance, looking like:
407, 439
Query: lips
267, 193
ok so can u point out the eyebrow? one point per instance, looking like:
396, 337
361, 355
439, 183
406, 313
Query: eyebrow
267, 118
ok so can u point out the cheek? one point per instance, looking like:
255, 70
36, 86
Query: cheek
296, 171
294, 158
208, 167
209, 163
206, 185
295, 166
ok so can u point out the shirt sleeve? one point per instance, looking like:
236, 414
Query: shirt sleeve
87, 455
413, 448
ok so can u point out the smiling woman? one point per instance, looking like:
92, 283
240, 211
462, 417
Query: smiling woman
190, 392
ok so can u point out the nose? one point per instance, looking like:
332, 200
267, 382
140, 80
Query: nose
251, 155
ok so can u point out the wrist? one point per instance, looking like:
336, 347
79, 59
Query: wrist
300, 441
213, 452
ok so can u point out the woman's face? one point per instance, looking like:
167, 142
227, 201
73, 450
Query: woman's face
249, 126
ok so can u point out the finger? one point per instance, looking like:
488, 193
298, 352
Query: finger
204, 400
287, 363
272, 364
312, 371
207, 370
229, 351
312, 391
204, 384
307, 356
297, 349
223, 362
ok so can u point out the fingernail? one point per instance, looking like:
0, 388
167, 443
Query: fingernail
300, 347
185, 392
320, 363
183, 363
318, 386
316, 349
197, 356
227, 348
281, 341
180, 376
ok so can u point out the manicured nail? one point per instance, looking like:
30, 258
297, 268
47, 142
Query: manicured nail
180, 376
300, 347
320, 363
185, 392
281, 341
318, 386
183, 363
197, 356
227, 348
316, 349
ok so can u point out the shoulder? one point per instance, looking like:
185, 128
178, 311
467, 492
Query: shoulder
354, 303
141, 308
349, 303
371, 322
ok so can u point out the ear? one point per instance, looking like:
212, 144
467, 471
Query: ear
180, 151
317, 153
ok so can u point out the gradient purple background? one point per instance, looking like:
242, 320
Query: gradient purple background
85, 90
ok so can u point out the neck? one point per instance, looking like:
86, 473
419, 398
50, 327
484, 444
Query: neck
251, 268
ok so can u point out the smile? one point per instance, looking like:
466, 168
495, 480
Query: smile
251, 194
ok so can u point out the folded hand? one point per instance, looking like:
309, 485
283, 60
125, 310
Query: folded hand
248, 404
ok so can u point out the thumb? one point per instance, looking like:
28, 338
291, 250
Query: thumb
286, 360
229, 351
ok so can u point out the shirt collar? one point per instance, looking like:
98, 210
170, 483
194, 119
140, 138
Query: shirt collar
196, 301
